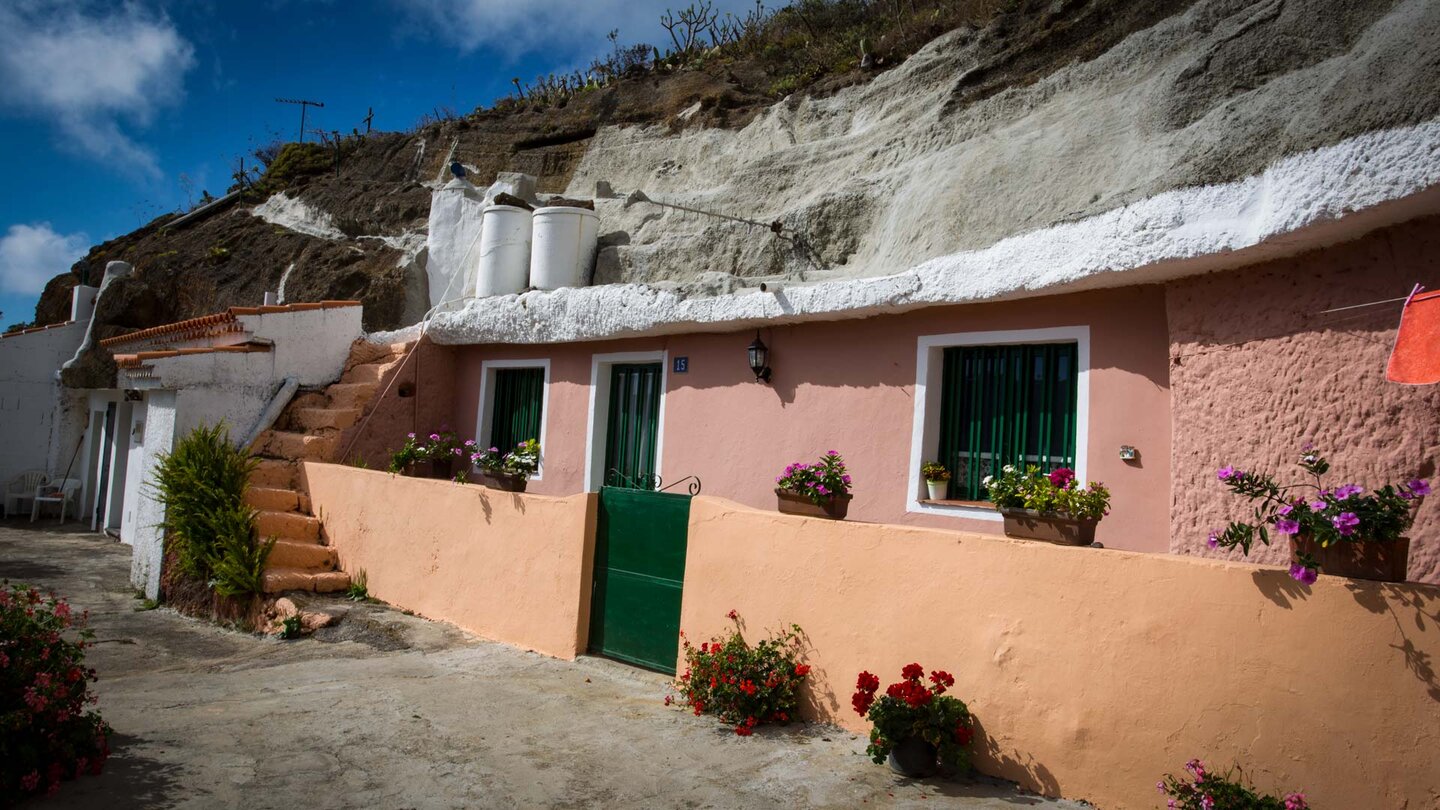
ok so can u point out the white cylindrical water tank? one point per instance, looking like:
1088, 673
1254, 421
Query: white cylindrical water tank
564, 247
504, 251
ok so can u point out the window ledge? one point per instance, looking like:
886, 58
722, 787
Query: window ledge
985, 505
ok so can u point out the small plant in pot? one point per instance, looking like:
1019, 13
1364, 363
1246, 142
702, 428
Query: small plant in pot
403, 461
1202, 789
937, 479
441, 451
915, 726
821, 489
1342, 529
742, 684
1048, 506
508, 471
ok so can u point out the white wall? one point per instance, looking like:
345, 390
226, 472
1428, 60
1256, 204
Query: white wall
147, 535
28, 395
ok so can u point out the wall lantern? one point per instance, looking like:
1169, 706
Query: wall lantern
759, 356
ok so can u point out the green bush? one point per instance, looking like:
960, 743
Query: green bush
202, 485
293, 162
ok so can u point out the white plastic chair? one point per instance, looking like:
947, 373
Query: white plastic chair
62, 493
22, 488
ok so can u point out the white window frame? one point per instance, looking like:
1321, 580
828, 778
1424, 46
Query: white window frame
929, 368
600, 409
485, 414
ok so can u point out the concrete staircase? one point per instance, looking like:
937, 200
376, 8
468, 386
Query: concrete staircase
311, 429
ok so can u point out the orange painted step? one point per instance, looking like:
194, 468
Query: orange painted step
314, 419
288, 526
296, 446
275, 580
351, 395
295, 554
273, 473
273, 499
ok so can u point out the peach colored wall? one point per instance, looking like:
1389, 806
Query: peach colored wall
514, 568
430, 374
1257, 371
849, 386
1093, 672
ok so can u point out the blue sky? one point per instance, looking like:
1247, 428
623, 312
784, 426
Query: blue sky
113, 113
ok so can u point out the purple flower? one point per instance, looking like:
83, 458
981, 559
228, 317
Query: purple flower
1418, 487
469, 442
1207, 803
1285, 510
1345, 522
1196, 767
1226, 473
1318, 506
1287, 526
1347, 490
494, 449
1160, 786
820, 488
434, 437
1303, 575
831, 453
1214, 539
780, 479
459, 452
1062, 477
845, 479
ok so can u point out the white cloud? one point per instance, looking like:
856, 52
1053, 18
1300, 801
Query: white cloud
31, 255
565, 30
86, 69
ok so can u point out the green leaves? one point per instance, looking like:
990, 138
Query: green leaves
202, 485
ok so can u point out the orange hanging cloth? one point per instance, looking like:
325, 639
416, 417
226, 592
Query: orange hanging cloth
1416, 358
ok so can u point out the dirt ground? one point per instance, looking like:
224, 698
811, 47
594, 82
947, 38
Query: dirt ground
387, 710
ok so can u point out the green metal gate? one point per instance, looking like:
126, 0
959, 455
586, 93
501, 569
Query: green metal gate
639, 572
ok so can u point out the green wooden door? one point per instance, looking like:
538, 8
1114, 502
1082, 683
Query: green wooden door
634, 420
639, 572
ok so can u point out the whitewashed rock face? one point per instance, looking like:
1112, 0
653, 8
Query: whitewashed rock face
903, 193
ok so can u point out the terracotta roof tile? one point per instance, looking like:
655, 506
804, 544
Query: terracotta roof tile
35, 329
218, 324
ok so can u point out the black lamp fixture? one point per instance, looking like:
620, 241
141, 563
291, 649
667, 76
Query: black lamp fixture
759, 355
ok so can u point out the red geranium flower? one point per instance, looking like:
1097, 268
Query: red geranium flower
867, 682
801, 670
912, 672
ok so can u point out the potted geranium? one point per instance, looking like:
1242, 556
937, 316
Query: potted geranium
916, 726
441, 451
743, 684
508, 471
821, 489
937, 479
1048, 506
1342, 529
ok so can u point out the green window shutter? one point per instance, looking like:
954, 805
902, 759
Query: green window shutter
515, 414
1006, 405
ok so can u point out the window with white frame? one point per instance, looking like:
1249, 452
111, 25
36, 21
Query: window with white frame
513, 396
987, 399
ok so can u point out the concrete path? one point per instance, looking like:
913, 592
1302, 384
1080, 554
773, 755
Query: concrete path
391, 711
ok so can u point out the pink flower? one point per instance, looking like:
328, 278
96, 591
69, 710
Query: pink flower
1303, 575
411, 435
434, 437
1062, 477
1318, 505
1418, 487
1287, 526
1345, 523
1214, 540
1196, 767
1207, 803
1296, 801
1285, 510
1226, 473
1347, 490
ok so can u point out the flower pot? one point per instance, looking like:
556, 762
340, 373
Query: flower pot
1050, 527
913, 757
442, 468
833, 507
938, 489
499, 480
1385, 562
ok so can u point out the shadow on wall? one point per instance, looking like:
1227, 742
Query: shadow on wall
1413, 613
1022, 768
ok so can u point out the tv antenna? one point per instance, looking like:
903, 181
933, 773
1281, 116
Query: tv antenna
304, 103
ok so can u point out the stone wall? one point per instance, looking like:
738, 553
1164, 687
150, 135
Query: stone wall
1257, 368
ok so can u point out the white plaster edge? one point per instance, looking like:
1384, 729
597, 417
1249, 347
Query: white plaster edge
594, 478
1300, 202
485, 410
925, 428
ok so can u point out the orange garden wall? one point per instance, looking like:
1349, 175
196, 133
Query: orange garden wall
1093, 672
849, 386
509, 567
1257, 369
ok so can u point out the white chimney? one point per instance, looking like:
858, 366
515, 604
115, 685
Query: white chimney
82, 302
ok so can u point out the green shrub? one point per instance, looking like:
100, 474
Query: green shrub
741, 684
202, 485
293, 162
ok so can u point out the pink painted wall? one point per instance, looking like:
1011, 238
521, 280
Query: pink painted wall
509, 567
1092, 672
1256, 371
849, 386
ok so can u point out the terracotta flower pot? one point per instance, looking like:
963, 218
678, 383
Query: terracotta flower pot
913, 757
834, 507
496, 480
1385, 562
1052, 528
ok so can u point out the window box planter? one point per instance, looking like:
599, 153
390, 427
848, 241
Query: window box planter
834, 507
1057, 528
439, 468
1376, 560
501, 481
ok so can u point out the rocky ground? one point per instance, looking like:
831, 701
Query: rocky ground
388, 710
